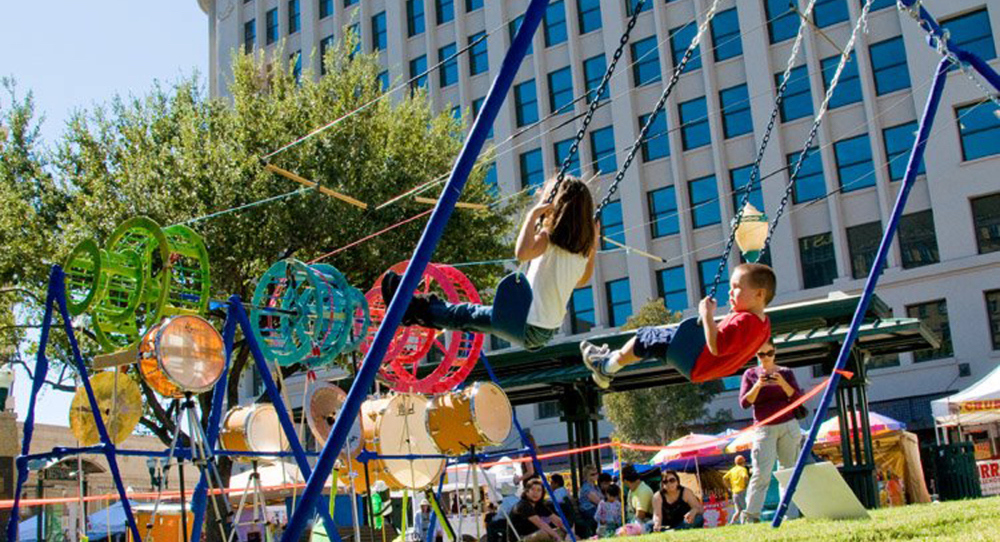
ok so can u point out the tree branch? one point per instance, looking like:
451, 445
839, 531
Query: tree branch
18, 290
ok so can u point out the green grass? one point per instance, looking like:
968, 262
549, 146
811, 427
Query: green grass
957, 520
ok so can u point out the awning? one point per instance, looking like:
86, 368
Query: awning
975, 405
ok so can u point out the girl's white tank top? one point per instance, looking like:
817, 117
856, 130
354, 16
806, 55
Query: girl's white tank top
553, 277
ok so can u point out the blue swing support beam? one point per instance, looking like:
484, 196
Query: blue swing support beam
937, 38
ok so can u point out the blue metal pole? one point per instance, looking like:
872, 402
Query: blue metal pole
236, 311
916, 157
421, 256
199, 501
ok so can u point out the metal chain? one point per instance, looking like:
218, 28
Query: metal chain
747, 189
702, 28
844, 57
595, 103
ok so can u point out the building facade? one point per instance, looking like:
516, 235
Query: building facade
676, 200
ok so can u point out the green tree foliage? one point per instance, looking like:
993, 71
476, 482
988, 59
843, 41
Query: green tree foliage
657, 415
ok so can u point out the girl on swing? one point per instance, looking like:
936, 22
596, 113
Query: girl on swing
558, 241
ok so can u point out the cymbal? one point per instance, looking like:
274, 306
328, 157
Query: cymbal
120, 412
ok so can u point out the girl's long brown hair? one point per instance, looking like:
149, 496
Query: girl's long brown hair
571, 221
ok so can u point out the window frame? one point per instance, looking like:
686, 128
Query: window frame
644, 60
555, 30
612, 304
560, 94
826, 276
668, 216
520, 104
655, 134
721, 40
732, 114
689, 127
887, 57
863, 142
661, 287
448, 71
696, 203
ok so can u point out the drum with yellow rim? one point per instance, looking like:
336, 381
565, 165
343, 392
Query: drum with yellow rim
479, 415
181, 354
253, 428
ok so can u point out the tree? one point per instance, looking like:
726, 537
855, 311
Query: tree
661, 414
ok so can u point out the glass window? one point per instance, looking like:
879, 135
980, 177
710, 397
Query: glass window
602, 143
491, 181
706, 274
986, 219
993, 312
828, 12
296, 60
694, 124
862, 242
645, 61
349, 3
325, 45
473, 5
879, 4
898, 144
271, 18
589, 15
819, 264
560, 90
548, 409
854, 163
657, 144
612, 225
736, 118
562, 150
809, 184
979, 130
631, 4
797, 102
448, 73
555, 23
356, 30
445, 10
294, 16
704, 201
782, 22
917, 241
513, 26
889, 65
738, 179
619, 302
934, 315
414, 17
526, 103
477, 104
670, 284
663, 212
972, 32
325, 8
418, 72
848, 89
726, 35
680, 40
479, 59
593, 70
383, 80
249, 36
379, 33
581, 310
532, 168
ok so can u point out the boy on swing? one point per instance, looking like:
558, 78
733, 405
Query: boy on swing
728, 344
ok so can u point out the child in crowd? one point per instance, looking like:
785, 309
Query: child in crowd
559, 239
609, 512
728, 344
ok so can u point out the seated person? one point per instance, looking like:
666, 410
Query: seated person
675, 506
640, 496
609, 512
532, 520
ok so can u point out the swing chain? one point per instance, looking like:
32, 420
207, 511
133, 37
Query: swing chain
678, 70
596, 102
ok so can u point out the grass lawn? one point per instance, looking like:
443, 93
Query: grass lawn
956, 520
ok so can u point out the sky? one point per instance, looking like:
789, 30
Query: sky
72, 55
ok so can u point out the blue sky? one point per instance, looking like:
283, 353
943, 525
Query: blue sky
73, 54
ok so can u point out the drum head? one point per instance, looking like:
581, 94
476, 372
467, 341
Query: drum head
263, 431
190, 353
323, 403
401, 431
491, 411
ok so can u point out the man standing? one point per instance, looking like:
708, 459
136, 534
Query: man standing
736, 478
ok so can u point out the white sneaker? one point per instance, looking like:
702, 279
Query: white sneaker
594, 358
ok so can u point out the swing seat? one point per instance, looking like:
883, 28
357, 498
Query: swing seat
686, 345
510, 308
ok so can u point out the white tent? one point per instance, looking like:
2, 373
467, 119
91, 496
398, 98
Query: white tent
976, 405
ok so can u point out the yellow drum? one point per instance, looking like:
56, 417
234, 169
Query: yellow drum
479, 415
181, 354
253, 428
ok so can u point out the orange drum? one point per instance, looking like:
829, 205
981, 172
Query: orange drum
479, 415
394, 425
253, 428
181, 354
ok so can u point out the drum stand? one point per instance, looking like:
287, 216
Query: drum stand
259, 505
204, 459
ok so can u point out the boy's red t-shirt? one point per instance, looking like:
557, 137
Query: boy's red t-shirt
739, 339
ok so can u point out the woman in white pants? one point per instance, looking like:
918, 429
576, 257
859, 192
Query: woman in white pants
769, 388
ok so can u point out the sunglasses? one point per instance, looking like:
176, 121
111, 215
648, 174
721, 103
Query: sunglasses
669, 481
768, 354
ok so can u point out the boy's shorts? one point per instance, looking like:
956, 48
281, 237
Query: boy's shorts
654, 342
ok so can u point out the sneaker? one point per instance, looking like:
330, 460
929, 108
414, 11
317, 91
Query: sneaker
594, 358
